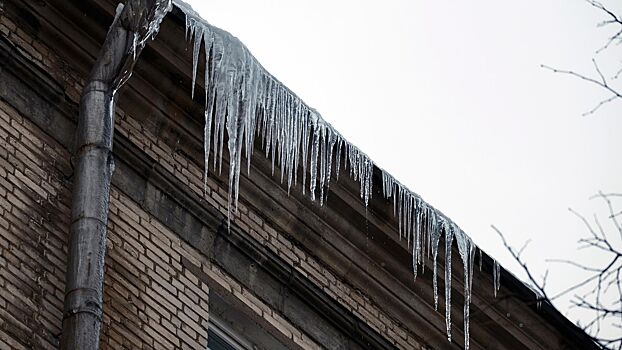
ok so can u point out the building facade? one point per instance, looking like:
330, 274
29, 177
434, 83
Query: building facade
281, 273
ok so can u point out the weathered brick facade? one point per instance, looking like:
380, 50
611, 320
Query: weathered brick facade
168, 247
34, 201
151, 300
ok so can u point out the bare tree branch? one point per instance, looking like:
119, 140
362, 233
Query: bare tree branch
539, 286
602, 83
600, 293
613, 19
614, 92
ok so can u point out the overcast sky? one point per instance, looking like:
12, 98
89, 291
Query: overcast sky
450, 98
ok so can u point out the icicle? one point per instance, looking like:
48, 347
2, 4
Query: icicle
408, 233
198, 39
338, 156
366, 180
244, 101
207, 130
332, 140
436, 236
466, 248
539, 299
469, 291
139, 39
306, 139
134, 43
416, 235
448, 239
315, 145
496, 277
323, 159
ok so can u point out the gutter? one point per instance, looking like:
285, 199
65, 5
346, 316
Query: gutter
134, 23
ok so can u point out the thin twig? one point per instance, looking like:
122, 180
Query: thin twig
601, 291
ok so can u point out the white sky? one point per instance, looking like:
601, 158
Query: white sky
449, 97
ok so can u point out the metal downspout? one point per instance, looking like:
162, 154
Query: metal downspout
134, 23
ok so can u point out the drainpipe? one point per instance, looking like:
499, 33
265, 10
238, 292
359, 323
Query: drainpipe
134, 23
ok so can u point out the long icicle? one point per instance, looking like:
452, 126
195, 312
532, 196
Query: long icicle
244, 101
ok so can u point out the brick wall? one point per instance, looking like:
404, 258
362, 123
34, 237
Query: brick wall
151, 300
34, 215
251, 222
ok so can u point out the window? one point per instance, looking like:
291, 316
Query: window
221, 337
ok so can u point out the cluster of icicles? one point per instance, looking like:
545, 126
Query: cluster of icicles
245, 101
154, 17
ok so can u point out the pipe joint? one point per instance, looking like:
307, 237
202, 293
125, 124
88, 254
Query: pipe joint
83, 301
96, 85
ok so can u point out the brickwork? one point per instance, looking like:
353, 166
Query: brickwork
43, 56
251, 222
34, 223
151, 300
149, 292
